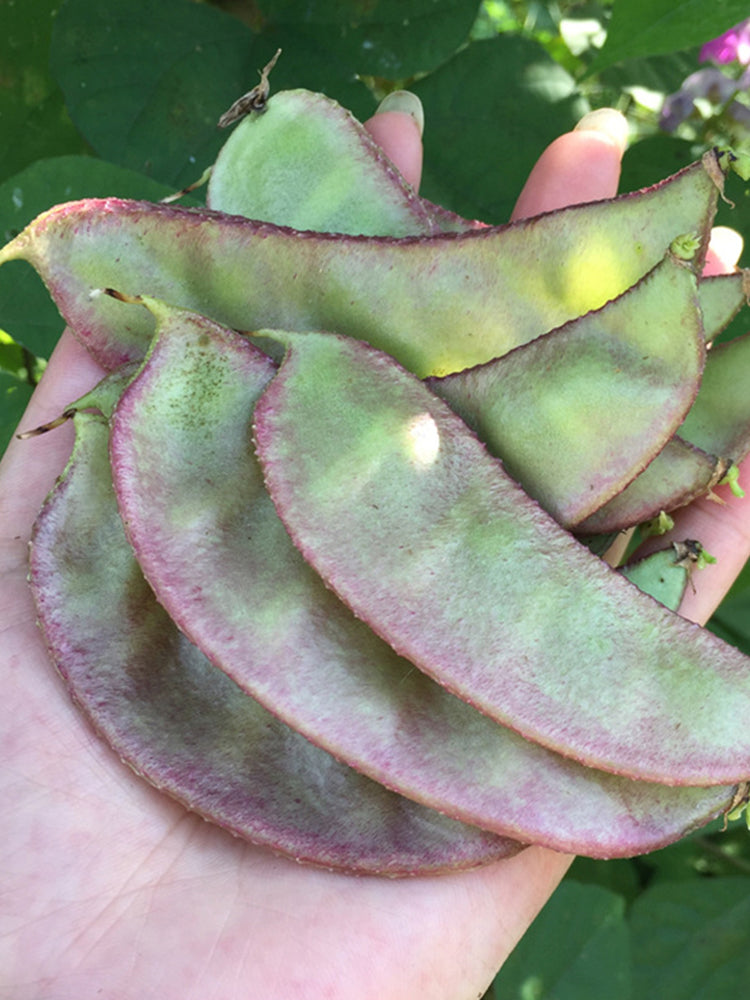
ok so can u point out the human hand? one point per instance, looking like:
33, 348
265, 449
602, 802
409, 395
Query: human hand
112, 890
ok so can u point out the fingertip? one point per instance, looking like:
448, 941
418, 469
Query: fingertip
408, 103
397, 128
579, 166
724, 251
609, 123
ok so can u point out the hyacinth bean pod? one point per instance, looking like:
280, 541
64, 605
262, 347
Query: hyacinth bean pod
437, 304
308, 163
210, 542
719, 420
679, 474
186, 726
721, 298
305, 159
424, 538
714, 435
539, 407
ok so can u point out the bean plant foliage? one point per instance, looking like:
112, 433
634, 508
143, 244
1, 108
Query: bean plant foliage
122, 98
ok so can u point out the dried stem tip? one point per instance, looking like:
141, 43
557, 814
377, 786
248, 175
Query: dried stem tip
253, 100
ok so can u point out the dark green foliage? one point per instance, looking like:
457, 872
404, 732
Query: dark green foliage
33, 116
143, 81
654, 27
392, 39
497, 103
583, 950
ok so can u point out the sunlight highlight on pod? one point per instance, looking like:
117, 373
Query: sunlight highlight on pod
423, 439
596, 275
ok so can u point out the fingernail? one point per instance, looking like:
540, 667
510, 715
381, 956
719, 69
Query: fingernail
405, 101
610, 122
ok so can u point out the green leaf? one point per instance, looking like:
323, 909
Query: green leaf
497, 103
394, 39
27, 311
33, 118
661, 74
576, 949
687, 859
654, 158
619, 876
731, 620
12, 357
691, 939
652, 27
146, 83
14, 397
311, 61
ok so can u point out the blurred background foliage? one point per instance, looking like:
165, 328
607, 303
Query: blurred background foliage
121, 97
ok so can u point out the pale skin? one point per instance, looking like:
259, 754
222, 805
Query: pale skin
111, 890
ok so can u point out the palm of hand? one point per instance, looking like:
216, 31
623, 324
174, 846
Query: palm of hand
111, 886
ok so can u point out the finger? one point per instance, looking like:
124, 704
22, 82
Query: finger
724, 250
397, 128
582, 165
30, 467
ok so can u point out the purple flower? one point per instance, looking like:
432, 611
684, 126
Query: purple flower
708, 83
733, 45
